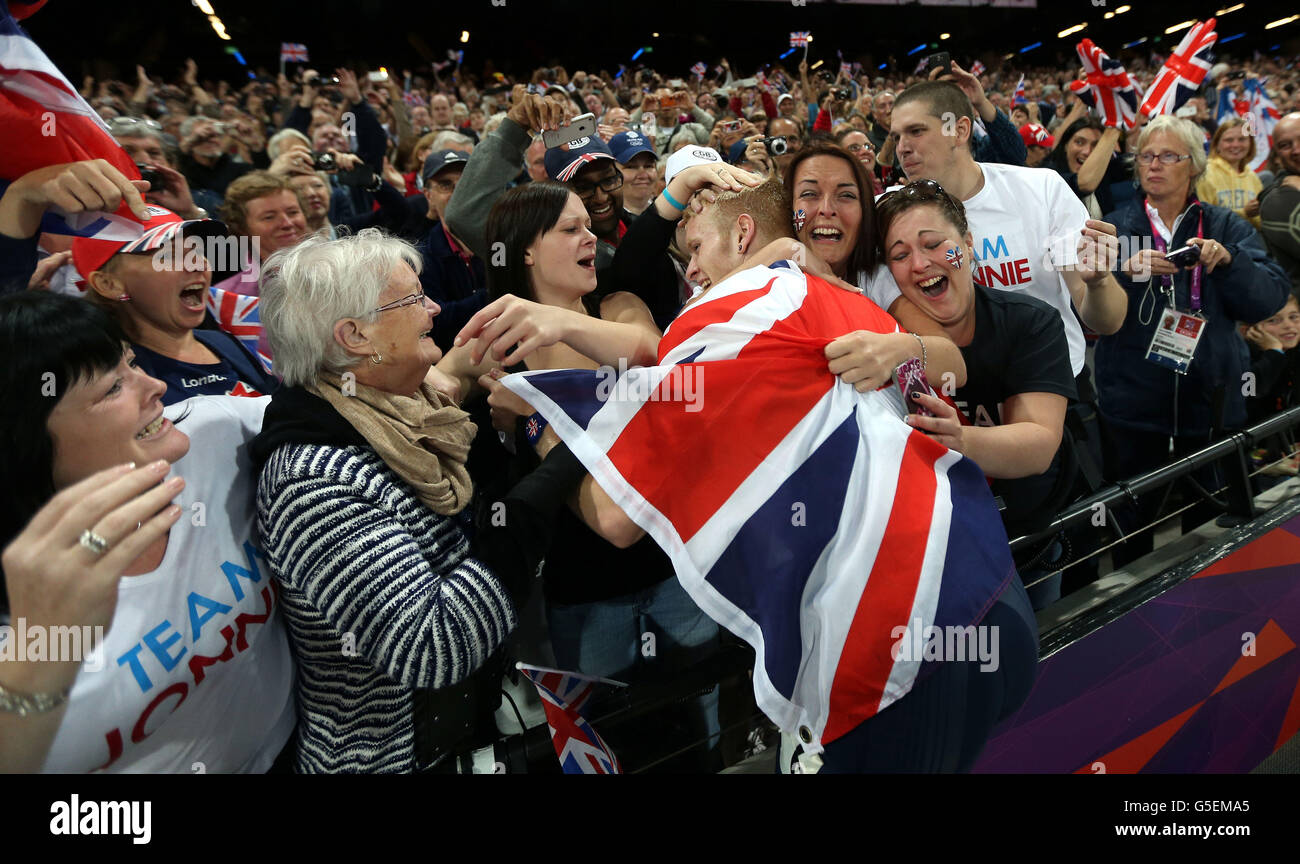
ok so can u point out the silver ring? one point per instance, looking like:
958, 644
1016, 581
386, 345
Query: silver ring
92, 541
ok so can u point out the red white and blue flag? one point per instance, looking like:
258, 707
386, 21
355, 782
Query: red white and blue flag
920, 66
977, 69
579, 747
803, 516
1264, 115
293, 52
1019, 97
46, 122
800, 38
1108, 89
1182, 74
699, 69
238, 315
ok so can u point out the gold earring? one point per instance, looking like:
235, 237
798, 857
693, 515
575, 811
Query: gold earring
376, 358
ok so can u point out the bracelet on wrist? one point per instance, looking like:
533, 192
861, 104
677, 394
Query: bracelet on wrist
534, 427
672, 202
922, 344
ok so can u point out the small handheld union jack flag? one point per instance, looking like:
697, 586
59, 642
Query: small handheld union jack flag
1182, 74
579, 747
1108, 88
977, 69
800, 38
293, 52
1019, 97
699, 69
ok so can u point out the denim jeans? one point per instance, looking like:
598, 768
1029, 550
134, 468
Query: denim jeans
652, 632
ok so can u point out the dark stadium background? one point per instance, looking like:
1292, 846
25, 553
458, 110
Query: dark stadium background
108, 39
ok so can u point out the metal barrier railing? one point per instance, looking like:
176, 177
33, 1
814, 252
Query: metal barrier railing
1234, 448
531, 750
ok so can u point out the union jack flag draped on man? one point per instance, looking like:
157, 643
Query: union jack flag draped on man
1181, 76
805, 517
1108, 88
46, 122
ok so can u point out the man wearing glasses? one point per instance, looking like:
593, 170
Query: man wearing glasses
588, 168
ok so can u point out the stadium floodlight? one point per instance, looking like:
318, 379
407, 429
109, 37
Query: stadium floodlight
1068, 30
1121, 10
1109, 15
1280, 22
1182, 26
945, 36
1232, 8
205, 7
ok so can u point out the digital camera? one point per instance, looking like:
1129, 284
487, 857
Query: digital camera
776, 145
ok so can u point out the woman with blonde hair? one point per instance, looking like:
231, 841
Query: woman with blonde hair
1228, 180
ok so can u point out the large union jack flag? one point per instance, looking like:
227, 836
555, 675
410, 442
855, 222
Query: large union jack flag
46, 122
238, 315
1107, 88
1182, 74
803, 516
579, 747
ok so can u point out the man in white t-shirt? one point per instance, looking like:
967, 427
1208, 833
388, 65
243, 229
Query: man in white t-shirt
1026, 222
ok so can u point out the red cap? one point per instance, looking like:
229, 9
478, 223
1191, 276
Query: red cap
1036, 136
163, 227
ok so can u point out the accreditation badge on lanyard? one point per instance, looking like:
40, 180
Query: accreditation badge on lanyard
1177, 332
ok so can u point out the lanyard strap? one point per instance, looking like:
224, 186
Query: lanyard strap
1167, 282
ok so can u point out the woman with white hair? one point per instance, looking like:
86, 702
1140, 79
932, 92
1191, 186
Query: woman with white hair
1186, 384
392, 607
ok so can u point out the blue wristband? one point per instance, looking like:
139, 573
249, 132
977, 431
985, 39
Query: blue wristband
534, 426
672, 202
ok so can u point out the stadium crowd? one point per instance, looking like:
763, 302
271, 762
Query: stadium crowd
411, 238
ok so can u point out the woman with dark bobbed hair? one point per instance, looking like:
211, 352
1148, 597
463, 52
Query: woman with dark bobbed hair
602, 593
191, 664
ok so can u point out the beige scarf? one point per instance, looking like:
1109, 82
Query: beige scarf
425, 438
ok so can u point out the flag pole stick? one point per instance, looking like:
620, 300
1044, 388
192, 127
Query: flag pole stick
282, 64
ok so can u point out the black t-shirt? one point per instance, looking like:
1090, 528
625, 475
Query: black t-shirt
1019, 347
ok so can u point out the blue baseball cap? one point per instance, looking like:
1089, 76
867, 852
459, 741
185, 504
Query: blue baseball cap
564, 161
440, 159
625, 145
736, 154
